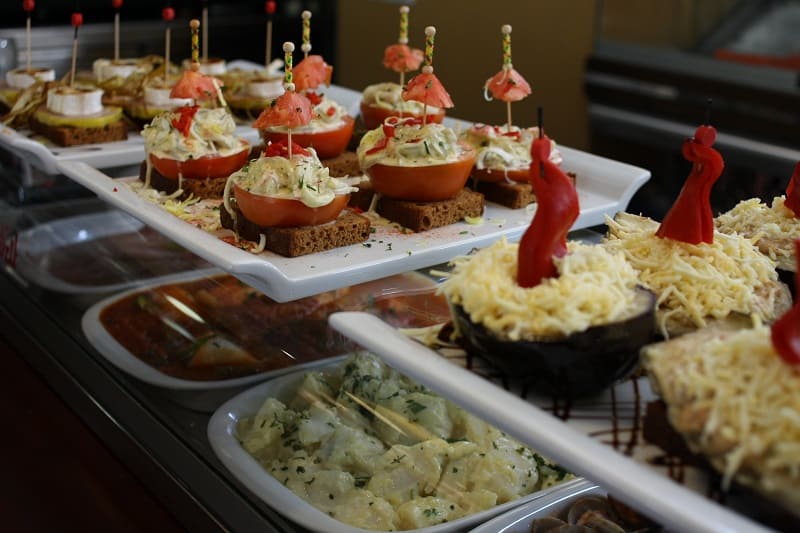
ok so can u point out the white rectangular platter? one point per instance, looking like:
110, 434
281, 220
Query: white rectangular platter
46, 156
604, 188
600, 440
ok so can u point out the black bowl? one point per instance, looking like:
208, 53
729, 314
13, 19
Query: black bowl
580, 364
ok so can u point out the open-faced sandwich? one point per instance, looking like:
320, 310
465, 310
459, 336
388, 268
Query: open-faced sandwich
73, 114
700, 275
773, 228
384, 100
286, 200
330, 127
733, 396
568, 317
419, 169
192, 150
21, 80
503, 153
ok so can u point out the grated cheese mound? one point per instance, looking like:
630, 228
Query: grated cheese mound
594, 287
695, 282
737, 402
773, 229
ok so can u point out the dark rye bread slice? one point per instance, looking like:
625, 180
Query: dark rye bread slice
69, 136
422, 216
349, 228
513, 195
206, 188
344, 164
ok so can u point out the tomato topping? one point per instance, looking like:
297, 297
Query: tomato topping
785, 332
196, 86
209, 166
427, 88
793, 192
331, 111
269, 211
401, 58
691, 219
184, 121
508, 85
423, 183
289, 109
327, 143
281, 149
556, 210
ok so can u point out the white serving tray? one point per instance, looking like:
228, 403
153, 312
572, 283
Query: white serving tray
198, 395
520, 519
223, 438
581, 444
604, 188
46, 155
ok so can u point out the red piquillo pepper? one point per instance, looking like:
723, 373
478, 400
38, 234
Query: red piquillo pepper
793, 192
691, 219
281, 149
389, 125
184, 121
556, 210
786, 330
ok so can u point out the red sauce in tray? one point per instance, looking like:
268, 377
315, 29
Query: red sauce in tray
219, 328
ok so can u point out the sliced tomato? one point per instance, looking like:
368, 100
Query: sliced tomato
494, 175
329, 143
269, 211
423, 184
209, 166
374, 116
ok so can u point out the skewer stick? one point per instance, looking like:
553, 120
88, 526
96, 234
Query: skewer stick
507, 65
194, 25
403, 37
306, 46
430, 34
540, 112
205, 31
288, 81
27, 6
77, 20
116, 4
167, 14
269, 7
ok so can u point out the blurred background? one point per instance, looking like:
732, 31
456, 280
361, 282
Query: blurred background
621, 78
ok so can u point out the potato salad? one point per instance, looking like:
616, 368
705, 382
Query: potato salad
375, 450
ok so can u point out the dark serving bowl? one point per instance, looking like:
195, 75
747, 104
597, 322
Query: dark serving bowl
580, 364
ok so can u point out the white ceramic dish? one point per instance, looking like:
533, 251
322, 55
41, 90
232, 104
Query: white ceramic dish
40, 244
213, 392
604, 188
519, 520
612, 418
223, 438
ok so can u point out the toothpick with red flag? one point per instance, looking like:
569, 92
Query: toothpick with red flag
507, 85
426, 87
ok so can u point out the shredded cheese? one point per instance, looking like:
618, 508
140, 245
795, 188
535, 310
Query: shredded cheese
737, 402
773, 229
593, 287
696, 282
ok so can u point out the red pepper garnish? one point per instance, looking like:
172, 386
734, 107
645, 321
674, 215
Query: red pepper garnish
281, 149
184, 121
556, 210
77, 20
168, 14
313, 97
116, 4
691, 219
28, 5
331, 111
793, 192
786, 330
269, 7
